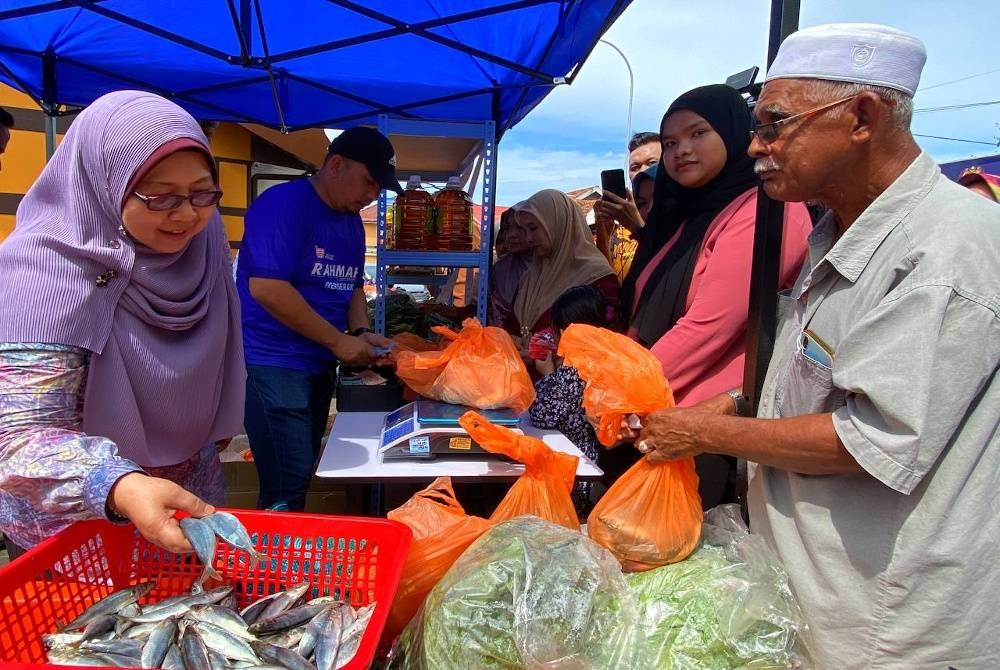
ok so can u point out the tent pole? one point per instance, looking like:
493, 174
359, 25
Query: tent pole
50, 136
762, 316
49, 104
762, 321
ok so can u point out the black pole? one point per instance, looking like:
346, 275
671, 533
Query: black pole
49, 101
762, 320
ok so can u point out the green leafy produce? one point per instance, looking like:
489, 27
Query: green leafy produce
532, 595
527, 594
727, 605
402, 315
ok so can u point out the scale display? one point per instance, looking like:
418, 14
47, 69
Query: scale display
426, 429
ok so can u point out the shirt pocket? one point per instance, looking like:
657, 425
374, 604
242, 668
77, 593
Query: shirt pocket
807, 388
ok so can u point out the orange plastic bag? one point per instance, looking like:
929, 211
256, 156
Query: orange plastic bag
543, 490
652, 515
480, 367
411, 342
622, 377
441, 532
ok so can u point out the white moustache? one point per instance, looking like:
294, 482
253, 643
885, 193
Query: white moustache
765, 165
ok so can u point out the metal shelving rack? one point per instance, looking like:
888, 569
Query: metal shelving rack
481, 130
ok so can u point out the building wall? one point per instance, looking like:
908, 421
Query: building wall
234, 148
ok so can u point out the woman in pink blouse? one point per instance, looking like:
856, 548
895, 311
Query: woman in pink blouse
688, 289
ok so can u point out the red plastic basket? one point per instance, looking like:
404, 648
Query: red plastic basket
356, 559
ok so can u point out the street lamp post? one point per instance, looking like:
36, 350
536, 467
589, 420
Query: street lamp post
631, 91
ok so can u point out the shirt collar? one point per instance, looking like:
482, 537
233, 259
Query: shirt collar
855, 248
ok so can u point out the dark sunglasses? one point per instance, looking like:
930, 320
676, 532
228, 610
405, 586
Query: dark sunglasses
164, 203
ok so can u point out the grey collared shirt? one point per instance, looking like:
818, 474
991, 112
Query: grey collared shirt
896, 567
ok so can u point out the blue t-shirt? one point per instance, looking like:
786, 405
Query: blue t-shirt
291, 234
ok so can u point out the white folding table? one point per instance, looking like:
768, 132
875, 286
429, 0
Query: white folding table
351, 453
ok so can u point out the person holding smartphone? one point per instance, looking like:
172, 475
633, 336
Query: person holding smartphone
618, 215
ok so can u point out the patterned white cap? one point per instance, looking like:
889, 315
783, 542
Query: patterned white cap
863, 53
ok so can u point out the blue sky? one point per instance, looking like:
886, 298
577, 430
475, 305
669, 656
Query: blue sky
672, 46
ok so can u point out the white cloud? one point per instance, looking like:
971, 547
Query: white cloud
673, 46
528, 170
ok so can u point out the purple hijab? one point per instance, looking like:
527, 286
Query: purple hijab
166, 373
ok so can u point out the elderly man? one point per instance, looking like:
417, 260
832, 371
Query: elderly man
876, 454
300, 279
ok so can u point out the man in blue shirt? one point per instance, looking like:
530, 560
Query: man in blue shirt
300, 280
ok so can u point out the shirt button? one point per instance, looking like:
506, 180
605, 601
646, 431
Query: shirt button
114, 244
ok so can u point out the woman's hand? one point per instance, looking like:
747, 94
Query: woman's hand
150, 503
669, 434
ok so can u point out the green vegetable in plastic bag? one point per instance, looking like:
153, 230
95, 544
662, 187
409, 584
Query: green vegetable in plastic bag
728, 605
526, 594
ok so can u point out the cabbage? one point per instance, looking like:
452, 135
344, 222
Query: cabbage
526, 594
728, 605
529, 594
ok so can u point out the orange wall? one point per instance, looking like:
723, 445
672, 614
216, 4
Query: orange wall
25, 158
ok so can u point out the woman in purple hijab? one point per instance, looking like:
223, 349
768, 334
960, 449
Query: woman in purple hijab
121, 363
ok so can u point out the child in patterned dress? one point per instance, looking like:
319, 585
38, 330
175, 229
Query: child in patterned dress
559, 393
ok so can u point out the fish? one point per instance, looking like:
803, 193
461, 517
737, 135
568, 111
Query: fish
110, 604
191, 631
217, 660
53, 640
73, 656
350, 640
194, 652
328, 642
99, 625
287, 658
289, 639
252, 612
230, 529
122, 647
139, 631
221, 617
177, 609
290, 618
173, 660
225, 642
155, 650
284, 600
202, 538
315, 627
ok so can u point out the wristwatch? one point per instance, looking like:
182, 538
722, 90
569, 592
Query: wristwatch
360, 331
740, 401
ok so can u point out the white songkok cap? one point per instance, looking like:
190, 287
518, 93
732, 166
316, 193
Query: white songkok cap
861, 53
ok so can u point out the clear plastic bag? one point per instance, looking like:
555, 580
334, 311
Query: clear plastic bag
527, 594
728, 605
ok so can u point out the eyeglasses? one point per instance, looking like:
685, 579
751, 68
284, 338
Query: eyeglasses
165, 203
768, 132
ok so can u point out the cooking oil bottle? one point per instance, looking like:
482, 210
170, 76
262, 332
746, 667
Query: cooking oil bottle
413, 217
454, 217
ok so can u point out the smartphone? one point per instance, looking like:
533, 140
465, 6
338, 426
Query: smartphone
613, 181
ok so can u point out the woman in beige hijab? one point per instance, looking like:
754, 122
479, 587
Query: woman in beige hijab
564, 256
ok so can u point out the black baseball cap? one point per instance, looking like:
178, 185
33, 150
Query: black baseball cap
371, 148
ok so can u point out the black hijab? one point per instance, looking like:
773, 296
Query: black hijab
662, 302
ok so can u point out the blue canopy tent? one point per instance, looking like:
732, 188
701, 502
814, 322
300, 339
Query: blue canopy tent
307, 63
